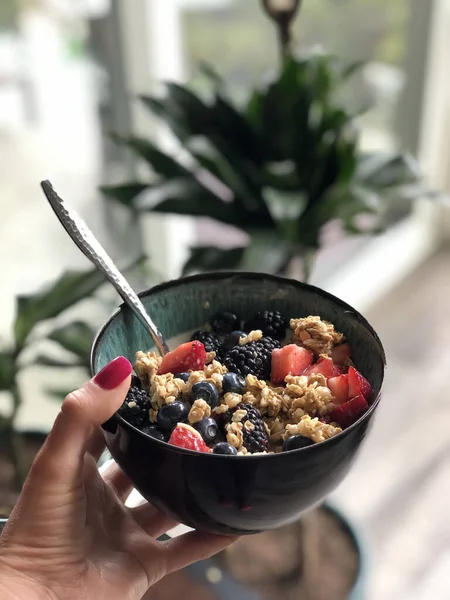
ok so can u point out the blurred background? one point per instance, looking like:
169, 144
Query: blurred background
70, 73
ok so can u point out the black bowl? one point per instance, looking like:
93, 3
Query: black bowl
235, 494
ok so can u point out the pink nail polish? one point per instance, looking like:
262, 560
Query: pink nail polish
114, 373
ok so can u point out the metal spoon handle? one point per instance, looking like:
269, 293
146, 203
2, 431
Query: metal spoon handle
94, 251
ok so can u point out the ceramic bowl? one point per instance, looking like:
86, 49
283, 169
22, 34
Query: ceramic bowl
235, 494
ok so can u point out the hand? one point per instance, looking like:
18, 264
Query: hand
70, 535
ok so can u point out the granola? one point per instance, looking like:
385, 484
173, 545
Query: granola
276, 392
315, 334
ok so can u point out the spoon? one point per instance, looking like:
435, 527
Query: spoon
94, 251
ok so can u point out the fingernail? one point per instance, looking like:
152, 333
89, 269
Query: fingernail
114, 373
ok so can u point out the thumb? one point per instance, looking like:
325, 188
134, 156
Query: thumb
82, 412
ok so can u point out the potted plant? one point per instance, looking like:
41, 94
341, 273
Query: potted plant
278, 169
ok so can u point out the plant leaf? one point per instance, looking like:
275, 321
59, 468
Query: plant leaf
238, 130
211, 258
66, 291
380, 170
125, 193
7, 369
48, 361
210, 73
352, 69
187, 197
266, 252
160, 162
76, 338
169, 113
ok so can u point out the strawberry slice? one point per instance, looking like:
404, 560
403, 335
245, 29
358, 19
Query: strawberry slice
185, 436
341, 353
289, 360
325, 366
349, 412
339, 388
325, 419
190, 356
357, 384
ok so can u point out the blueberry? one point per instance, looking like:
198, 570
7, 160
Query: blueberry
224, 322
183, 376
234, 383
295, 442
171, 414
224, 448
232, 339
207, 428
154, 432
204, 390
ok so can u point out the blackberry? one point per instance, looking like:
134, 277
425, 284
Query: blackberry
270, 322
138, 413
269, 343
211, 341
254, 358
257, 439
136, 382
224, 322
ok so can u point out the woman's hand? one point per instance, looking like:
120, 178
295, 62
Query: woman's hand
70, 535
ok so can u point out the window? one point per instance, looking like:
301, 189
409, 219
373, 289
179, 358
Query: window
165, 40
237, 38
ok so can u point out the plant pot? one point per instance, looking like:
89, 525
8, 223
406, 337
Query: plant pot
212, 580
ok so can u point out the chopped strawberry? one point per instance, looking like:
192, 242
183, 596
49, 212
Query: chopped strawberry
339, 388
325, 366
190, 356
349, 412
341, 353
289, 360
357, 384
325, 419
185, 436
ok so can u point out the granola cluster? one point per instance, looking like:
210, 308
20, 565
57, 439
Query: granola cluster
301, 405
315, 334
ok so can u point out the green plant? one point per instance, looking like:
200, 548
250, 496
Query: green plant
48, 332
278, 169
36, 321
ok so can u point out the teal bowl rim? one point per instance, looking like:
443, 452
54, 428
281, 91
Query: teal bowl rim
246, 275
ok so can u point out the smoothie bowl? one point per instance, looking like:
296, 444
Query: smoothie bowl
258, 411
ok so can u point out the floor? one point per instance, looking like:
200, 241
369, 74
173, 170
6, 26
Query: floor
398, 489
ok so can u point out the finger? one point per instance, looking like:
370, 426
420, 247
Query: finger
60, 459
152, 520
96, 445
192, 547
115, 478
